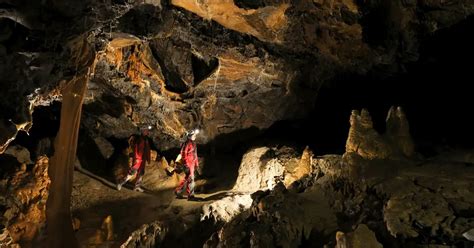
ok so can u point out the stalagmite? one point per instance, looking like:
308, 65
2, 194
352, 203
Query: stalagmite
60, 231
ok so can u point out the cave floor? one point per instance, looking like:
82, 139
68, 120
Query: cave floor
93, 200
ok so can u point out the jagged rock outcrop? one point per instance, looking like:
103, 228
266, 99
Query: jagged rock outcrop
361, 237
278, 218
429, 200
105, 148
225, 209
366, 142
419, 197
104, 236
148, 235
263, 168
173, 88
23, 199
398, 199
21, 154
267, 24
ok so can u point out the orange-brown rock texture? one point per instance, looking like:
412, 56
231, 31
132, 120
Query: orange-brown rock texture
222, 66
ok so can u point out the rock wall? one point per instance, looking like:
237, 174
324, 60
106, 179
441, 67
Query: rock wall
23, 199
262, 168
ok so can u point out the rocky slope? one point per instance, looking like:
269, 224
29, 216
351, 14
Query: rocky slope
405, 201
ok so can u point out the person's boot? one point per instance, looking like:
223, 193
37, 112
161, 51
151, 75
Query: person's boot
178, 195
119, 185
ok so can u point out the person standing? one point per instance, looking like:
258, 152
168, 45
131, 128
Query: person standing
188, 155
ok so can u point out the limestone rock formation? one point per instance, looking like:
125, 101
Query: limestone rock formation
361, 237
225, 209
148, 235
423, 198
268, 23
258, 171
20, 153
228, 92
103, 235
279, 218
398, 131
263, 167
428, 200
105, 148
365, 141
24, 200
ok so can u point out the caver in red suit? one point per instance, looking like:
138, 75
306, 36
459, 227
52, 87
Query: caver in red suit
140, 156
189, 157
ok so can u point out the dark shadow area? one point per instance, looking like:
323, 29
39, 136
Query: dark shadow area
128, 214
375, 22
250, 4
203, 68
108, 103
89, 155
15, 37
39, 140
173, 81
215, 197
434, 93
142, 20
221, 158
8, 165
117, 156
195, 236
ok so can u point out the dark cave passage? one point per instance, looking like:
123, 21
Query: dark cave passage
434, 93
39, 140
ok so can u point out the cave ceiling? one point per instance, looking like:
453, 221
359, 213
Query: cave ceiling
219, 65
